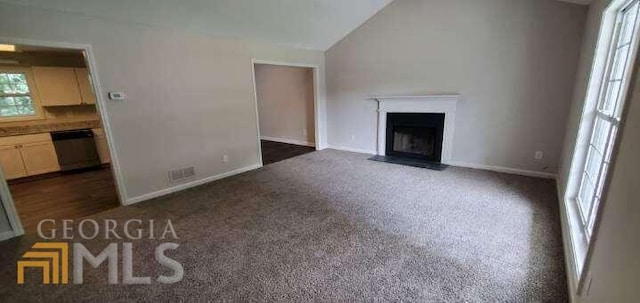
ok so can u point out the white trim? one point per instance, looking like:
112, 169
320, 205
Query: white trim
283, 63
106, 125
288, 141
502, 169
353, 150
446, 104
10, 209
410, 97
194, 183
318, 111
7, 235
255, 108
567, 244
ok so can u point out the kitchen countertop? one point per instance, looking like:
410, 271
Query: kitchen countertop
6, 131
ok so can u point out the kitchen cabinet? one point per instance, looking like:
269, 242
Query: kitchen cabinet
57, 86
27, 155
39, 158
101, 145
11, 162
84, 84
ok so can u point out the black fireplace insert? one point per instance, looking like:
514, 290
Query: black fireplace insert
415, 135
414, 139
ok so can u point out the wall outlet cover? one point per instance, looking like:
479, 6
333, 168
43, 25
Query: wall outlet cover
539, 155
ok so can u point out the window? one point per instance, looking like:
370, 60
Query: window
607, 115
607, 90
17, 100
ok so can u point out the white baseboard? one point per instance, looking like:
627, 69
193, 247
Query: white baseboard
288, 141
7, 235
501, 169
353, 150
194, 183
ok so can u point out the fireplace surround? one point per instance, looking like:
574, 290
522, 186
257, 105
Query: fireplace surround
413, 117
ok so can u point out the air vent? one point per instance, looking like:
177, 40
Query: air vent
189, 172
182, 174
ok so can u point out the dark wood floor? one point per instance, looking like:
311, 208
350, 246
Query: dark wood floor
63, 196
275, 151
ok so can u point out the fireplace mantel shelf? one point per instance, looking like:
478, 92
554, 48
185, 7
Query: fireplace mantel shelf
414, 97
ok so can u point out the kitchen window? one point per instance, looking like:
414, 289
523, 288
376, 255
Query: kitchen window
17, 99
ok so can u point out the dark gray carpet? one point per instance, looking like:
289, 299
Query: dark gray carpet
333, 226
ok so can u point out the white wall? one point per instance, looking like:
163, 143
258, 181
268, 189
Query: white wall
286, 103
190, 97
614, 265
513, 61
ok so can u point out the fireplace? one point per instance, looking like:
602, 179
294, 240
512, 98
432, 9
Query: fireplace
415, 136
416, 130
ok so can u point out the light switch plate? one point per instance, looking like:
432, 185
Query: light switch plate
116, 96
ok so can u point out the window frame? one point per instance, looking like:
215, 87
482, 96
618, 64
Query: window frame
580, 242
33, 94
612, 119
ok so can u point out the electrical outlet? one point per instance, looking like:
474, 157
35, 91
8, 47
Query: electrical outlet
539, 155
225, 158
304, 132
353, 138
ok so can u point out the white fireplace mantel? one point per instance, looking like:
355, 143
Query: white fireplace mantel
446, 104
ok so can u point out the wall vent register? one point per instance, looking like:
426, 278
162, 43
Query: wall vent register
182, 174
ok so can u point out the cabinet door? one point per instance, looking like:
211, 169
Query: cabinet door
39, 158
84, 83
101, 145
57, 85
11, 162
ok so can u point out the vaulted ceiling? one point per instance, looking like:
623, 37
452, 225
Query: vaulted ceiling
315, 24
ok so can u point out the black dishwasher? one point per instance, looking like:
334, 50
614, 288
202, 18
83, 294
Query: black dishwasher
76, 149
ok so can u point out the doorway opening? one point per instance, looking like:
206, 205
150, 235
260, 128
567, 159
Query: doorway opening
54, 152
286, 110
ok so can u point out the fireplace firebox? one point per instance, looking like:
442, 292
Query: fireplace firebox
415, 135
414, 139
